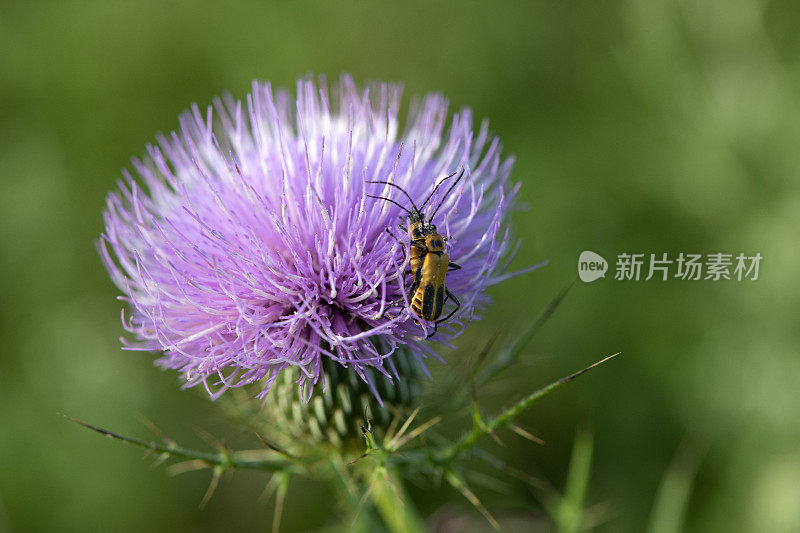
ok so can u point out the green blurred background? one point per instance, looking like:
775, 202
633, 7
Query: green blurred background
652, 126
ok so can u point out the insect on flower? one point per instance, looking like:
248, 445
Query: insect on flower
427, 257
245, 249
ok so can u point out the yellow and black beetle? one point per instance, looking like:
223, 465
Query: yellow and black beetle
427, 258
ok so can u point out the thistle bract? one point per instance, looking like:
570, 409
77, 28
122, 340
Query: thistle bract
247, 243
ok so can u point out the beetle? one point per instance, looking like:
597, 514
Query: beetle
428, 260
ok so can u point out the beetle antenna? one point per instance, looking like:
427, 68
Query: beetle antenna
399, 187
436, 189
448, 192
392, 201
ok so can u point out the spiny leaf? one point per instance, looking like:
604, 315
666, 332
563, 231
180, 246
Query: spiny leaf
159, 460
508, 416
511, 413
416, 432
223, 458
270, 488
186, 466
404, 427
461, 486
280, 500
275, 447
526, 435
212, 487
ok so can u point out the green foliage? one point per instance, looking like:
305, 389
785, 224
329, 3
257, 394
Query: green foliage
672, 500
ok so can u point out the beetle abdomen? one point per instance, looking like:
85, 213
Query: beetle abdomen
428, 302
416, 304
439, 304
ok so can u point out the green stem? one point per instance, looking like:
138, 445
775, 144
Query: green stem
570, 512
396, 509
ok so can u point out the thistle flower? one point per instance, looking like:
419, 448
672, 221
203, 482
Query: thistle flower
248, 244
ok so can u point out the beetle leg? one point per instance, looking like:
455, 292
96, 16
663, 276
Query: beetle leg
452, 296
402, 249
453, 266
389, 306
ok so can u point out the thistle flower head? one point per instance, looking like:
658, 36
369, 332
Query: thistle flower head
248, 242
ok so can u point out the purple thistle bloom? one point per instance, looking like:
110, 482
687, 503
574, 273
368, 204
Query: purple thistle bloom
248, 244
